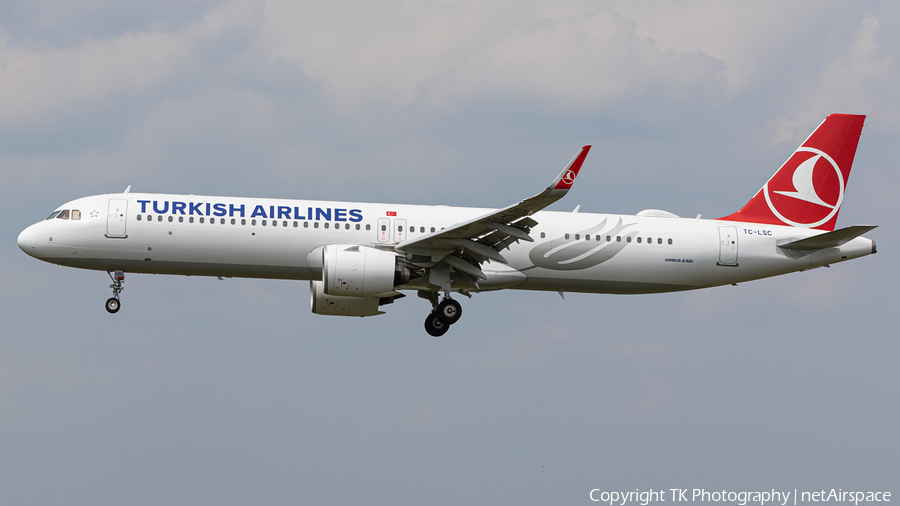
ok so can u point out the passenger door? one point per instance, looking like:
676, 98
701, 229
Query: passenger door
115, 218
728, 246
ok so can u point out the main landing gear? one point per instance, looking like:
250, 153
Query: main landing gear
443, 314
113, 304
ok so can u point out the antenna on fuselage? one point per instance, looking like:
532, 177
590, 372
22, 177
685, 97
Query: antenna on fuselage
127, 190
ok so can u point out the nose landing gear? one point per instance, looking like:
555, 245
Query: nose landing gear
118, 280
442, 315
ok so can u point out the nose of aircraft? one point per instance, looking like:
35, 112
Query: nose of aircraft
26, 240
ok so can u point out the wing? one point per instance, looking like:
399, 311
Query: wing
465, 246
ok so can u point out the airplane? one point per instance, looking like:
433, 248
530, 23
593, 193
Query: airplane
359, 257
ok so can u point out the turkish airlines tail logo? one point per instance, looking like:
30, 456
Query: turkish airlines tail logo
807, 191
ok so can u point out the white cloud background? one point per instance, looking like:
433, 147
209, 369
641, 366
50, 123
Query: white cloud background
201, 391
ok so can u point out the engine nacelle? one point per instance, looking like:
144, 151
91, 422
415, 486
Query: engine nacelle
336, 305
360, 271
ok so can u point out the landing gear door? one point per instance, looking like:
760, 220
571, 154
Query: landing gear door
115, 218
384, 230
399, 230
728, 246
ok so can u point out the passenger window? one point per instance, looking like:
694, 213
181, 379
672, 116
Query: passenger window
52, 215
201, 219
316, 224
659, 241
432, 229
296, 224
670, 241
76, 214
628, 239
368, 227
264, 223
618, 238
587, 237
400, 229
139, 217
639, 240
191, 219
63, 215
253, 222
567, 236
608, 238
422, 229
159, 218
305, 224
577, 237
181, 219
347, 226
326, 224
599, 238
384, 228
233, 221
357, 226
543, 235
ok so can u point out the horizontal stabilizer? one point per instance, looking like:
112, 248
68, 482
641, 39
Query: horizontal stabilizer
828, 239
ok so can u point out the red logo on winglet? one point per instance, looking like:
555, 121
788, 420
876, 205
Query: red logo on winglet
565, 182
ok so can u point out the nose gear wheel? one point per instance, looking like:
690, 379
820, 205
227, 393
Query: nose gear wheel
113, 305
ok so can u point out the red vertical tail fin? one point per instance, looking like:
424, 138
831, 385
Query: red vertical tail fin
807, 191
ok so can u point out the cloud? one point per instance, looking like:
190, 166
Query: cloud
41, 85
853, 80
449, 54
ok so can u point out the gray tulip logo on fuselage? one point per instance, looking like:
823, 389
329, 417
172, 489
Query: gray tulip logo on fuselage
575, 254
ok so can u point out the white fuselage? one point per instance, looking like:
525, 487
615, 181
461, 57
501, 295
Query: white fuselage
238, 237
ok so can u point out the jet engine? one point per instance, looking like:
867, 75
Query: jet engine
361, 271
338, 305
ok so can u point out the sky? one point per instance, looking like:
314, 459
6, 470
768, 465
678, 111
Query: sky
202, 391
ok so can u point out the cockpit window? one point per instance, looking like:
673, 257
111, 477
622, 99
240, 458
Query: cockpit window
53, 215
63, 215
76, 214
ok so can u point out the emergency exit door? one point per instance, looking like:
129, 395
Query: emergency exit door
399, 230
384, 230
